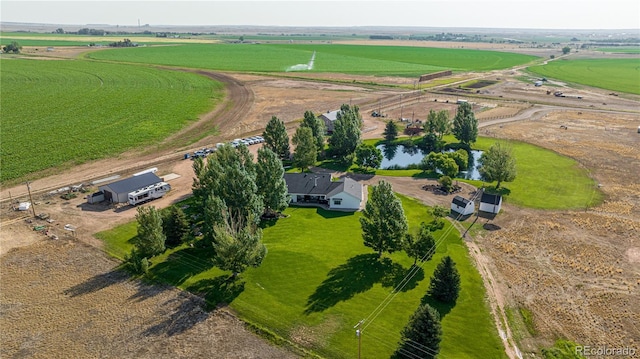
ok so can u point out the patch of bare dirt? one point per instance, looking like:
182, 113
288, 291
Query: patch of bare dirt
62, 298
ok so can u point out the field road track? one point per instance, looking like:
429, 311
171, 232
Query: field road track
237, 102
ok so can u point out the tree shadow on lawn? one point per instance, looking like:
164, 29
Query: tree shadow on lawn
181, 265
358, 275
218, 291
442, 307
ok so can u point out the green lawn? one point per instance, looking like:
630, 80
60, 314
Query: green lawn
621, 75
545, 179
318, 280
354, 59
65, 112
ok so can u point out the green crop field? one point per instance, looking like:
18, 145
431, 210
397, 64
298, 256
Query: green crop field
65, 112
318, 280
352, 59
621, 75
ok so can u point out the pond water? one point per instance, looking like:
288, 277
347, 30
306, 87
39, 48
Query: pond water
400, 156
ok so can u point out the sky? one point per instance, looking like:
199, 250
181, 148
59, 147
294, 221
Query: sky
541, 14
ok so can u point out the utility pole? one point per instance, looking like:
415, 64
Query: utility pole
33, 207
359, 336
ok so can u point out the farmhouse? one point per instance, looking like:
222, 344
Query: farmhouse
329, 118
117, 192
462, 206
490, 203
309, 188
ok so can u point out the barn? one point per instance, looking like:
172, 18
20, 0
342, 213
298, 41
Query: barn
117, 192
462, 206
490, 203
329, 118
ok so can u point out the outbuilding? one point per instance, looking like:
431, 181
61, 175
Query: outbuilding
490, 203
329, 118
117, 192
462, 206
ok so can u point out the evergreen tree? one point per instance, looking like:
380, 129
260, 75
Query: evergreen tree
276, 138
421, 336
421, 246
445, 283
305, 154
317, 128
270, 182
498, 164
390, 131
465, 125
175, 226
150, 239
368, 156
383, 221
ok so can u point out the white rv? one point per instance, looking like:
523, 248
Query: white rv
148, 193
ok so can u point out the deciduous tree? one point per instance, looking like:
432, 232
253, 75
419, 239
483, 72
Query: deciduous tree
368, 156
276, 138
150, 240
317, 128
421, 336
383, 221
422, 245
346, 131
465, 125
445, 282
305, 154
270, 182
498, 164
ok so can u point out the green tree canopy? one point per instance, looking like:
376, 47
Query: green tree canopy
368, 156
445, 282
276, 138
175, 226
346, 131
383, 221
465, 125
437, 123
238, 246
305, 154
421, 336
317, 128
498, 164
270, 181
390, 131
421, 246
150, 240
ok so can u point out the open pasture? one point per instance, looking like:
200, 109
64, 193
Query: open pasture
612, 74
318, 280
350, 59
68, 112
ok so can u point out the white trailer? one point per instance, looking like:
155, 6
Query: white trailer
148, 193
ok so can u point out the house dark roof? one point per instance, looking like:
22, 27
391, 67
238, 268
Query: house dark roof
490, 198
460, 201
133, 183
321, 184
309, 183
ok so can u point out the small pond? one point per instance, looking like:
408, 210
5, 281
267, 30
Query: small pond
399, 156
